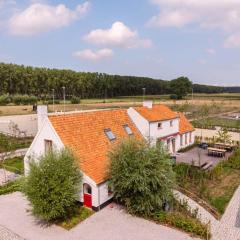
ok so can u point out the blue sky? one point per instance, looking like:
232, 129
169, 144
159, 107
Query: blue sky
155, 38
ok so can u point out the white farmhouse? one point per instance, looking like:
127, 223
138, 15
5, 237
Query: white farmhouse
91, 134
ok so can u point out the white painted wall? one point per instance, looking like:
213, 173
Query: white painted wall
164, 131
47, 132
140, 122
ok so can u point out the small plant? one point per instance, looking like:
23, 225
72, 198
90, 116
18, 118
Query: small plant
4, 100
75, 100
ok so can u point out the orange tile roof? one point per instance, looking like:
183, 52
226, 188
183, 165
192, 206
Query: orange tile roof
184, 124
84, 134
158, 112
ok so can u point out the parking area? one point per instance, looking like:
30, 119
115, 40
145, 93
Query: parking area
110, 223
198, 157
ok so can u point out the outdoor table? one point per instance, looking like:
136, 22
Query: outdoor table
216, 152
223, 146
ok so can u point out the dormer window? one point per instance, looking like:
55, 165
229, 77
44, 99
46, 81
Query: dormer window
128, 129
171, 123
159, 125
110, 134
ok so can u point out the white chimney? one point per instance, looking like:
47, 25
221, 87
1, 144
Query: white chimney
147, 104
42, 113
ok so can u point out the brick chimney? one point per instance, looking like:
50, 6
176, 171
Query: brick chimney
147, 104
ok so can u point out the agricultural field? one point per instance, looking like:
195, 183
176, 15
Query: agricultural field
226, 103
230, 124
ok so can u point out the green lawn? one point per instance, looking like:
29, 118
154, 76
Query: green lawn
14, 165
78, 215
216, 186
10, 143
216, 121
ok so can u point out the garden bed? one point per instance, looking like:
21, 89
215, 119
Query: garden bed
78, 215
15, 165
11, 143
182, 219
216, 186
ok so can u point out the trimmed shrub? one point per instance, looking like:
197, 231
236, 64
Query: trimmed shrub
53, 184
75, 100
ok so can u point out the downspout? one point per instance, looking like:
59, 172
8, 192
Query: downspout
99, 208
149, 135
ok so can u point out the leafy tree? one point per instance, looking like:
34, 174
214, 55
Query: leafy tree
181, 87
53, 184
141, 176
223, 136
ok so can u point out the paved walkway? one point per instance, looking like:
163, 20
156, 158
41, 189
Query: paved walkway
228, 228
108, 224
6, 176
16, 153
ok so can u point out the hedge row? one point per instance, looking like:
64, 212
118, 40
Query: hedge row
17, 99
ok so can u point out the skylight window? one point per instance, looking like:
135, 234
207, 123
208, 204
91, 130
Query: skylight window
110, 134
128, 129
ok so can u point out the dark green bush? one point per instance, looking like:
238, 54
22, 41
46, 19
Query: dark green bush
24, 99
174, 97
53, 185
75, 100
141, 176
181, 221
4, 99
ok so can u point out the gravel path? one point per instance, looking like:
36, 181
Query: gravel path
111, 223
228, 227
6, 234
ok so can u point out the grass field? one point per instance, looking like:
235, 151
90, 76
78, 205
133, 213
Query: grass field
225, 101
13, 165
217, 121
216, 186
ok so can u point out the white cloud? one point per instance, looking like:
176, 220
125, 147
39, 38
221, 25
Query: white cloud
233, 41
89, 54
39, 18
212, 14
118, 35
211, 51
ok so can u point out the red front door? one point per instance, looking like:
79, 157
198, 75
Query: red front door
87, 200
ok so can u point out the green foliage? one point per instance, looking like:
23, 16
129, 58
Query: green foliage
53, 184
174, 97
77, 215
4, 99
182, 222
11, 187
234, 161
75, 100
223, 136
141, 176
181, 87
13, 165
16, 79
10, 143
24, 99
215, 186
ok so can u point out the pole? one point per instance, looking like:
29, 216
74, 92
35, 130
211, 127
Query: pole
192, 95
64, 99
53, 99
144, 90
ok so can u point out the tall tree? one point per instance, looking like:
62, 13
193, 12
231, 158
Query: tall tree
141, 176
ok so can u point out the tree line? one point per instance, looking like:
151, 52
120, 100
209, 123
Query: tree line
19, 79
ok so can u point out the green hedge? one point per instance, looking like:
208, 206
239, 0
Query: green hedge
180, 221
24, 99
4, 100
